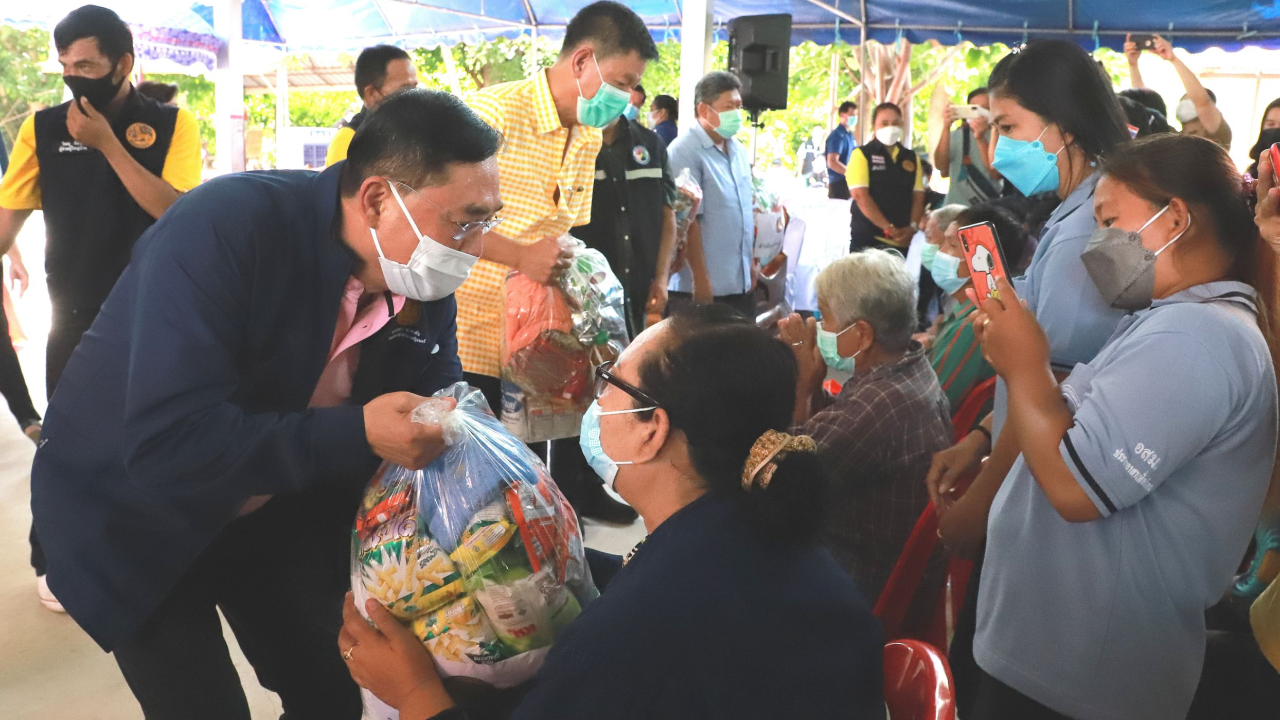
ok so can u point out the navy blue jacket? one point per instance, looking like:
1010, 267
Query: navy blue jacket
710, 621
189, 393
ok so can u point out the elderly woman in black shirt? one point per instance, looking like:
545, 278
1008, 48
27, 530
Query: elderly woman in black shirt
729, 609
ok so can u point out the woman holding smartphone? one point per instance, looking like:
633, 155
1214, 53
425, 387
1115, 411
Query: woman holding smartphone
1054, 116
1140, 478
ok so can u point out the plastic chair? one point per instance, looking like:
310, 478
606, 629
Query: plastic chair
917, 682
974, 401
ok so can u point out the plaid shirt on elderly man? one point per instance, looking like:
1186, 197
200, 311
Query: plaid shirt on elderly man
877, 439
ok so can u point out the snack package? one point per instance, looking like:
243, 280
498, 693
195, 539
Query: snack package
688, 198
554, 337
479, 554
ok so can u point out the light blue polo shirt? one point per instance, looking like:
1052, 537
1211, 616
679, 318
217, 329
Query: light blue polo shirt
726, 214
1060, 292
1174, 442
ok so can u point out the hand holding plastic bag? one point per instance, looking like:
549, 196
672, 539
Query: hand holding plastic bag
688, 199
478, 553
554, 337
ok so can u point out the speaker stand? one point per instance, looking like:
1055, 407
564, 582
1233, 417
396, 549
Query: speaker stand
756, 126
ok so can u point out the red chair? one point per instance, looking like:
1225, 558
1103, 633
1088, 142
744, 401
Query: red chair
904, 581
917, 682
974, 401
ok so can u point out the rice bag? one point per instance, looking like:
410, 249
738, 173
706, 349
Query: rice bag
478, 554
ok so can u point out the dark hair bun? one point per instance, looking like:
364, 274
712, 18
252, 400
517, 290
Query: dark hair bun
724, 383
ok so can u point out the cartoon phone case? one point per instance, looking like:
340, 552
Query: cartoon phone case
1275, 164
984, 257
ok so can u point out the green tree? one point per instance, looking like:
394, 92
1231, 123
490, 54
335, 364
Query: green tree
195, 93
24, 86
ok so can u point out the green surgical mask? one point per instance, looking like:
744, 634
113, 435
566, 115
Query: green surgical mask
605, 106
730, 123
827, 342
927, 254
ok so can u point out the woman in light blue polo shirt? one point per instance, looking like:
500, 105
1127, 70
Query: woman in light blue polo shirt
1142, 475
1054, 115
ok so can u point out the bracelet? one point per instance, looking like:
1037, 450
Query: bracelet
990, 441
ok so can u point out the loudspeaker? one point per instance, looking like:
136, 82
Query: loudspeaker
759, 54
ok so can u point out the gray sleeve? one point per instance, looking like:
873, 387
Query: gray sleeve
1159, 401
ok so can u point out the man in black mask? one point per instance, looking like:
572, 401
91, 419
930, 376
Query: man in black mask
102, 167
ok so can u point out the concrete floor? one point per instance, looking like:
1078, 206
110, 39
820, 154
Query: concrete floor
49, 669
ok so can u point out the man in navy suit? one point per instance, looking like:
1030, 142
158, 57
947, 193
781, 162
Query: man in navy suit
212, 434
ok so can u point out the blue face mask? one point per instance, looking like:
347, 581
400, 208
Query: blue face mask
828, 346
927, 254
946, 273
593, 450
631, 113
1027, 165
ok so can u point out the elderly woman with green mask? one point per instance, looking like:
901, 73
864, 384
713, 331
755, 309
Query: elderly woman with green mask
878, 435
955, 353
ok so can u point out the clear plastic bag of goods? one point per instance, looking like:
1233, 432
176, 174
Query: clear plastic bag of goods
478, 554
688, 198
554, 337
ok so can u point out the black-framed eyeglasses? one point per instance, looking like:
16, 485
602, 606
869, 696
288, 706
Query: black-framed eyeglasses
464, 229
605, 378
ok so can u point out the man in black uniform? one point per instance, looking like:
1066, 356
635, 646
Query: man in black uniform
380, 71
632, 220
103, 167
887, 184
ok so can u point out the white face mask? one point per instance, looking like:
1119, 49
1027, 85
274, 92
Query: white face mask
434, 271
1186, 111
889, 135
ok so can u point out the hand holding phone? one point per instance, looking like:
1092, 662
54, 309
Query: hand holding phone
985, 259
970, 112
1275, 164
1144, 41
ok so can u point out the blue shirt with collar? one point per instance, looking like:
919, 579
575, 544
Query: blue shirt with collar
840, 142
1174, 440
1059, 291
727, 213
189, 394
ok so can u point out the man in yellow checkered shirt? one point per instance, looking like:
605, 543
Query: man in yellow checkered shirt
551, 123
102, 167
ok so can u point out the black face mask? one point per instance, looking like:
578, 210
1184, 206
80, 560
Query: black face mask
98, 91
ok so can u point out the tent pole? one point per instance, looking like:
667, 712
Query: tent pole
282, 99
863, 113
695, 55
451, 69
833, 85
533, 33
228, 91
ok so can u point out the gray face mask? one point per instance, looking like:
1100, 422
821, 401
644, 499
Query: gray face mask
1123, 270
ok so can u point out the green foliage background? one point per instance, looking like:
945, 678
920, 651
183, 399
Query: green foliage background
25, 87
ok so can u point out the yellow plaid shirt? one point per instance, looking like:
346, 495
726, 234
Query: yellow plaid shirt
532, 166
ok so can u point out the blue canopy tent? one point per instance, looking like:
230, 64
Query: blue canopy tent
1193, 24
